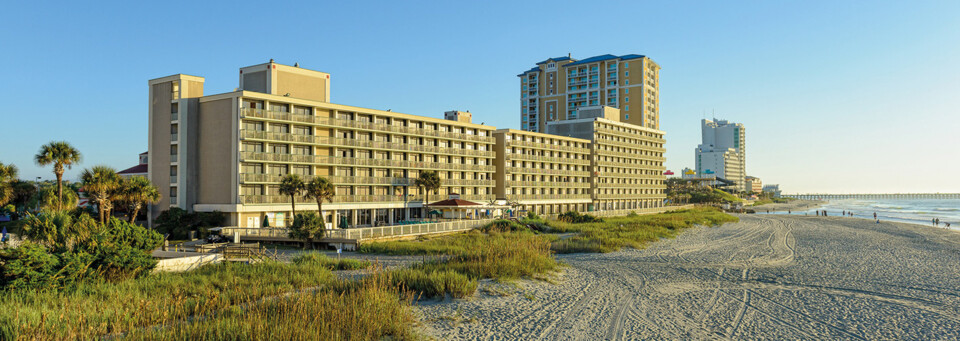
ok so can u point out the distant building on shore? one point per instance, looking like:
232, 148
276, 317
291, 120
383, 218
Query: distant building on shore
754, 184
772, 189
560, 88
139, 170
723, 152
688, 174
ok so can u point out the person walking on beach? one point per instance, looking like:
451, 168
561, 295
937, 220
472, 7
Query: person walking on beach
844, 213
938, 221
874, 215
933, 222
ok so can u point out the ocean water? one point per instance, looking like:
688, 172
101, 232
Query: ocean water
915, 211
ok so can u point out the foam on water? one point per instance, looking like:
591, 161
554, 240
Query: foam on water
915, 211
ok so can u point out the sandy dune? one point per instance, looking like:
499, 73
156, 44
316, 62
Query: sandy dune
767, 277
796, 205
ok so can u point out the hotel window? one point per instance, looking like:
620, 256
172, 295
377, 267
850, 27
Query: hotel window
344, 190
173, 152
626, 91
251, 190
626, 73
626, 117
253, 125
279, 107
279, 170
255, 147
302, 110
626, 64
345, 116
626, 99
627, 108
252, 168
251, 104
280, 128
173, 171
301, 170
626, 82
302, 150
301, 130
279, 148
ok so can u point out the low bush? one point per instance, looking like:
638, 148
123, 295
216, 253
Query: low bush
504, 225
62, 252
577, 218
178, 222
323, 260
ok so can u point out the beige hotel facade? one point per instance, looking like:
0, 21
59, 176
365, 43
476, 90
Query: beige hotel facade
227, 152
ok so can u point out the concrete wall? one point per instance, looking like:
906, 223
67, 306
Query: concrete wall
215, 152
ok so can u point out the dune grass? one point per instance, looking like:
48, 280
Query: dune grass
615, 233
472, 256
330, 263
243, 299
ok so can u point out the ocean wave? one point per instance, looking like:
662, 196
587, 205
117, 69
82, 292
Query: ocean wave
944, 209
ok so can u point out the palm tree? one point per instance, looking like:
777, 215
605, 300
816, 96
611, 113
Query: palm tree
100, 182
139, 191
319, 189
292, 185
60, 154
8, 173
429, 181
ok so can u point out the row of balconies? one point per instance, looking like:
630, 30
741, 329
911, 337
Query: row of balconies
340, 123
342, 142
540, 145
565, 160
338, 180
546, 196
634, 155
352, 161
285, 199
545, 171
553, 184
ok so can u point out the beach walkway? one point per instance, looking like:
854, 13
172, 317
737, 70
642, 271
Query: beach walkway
767, 277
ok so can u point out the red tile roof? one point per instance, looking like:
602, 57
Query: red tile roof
454, 202
138, 169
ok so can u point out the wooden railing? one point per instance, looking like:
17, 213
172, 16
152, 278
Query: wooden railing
364, 233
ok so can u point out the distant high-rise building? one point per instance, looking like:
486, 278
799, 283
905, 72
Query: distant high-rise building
558, 88
722, 152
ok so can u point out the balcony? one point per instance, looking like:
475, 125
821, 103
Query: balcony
246, 134
342, 123
174, 116
351, 161
173, 137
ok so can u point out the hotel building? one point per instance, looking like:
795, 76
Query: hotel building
557, 89
626, 160
723, 152
227, 152
543, 173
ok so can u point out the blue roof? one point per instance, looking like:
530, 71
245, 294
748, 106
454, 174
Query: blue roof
558, 59
531, 70
604, 57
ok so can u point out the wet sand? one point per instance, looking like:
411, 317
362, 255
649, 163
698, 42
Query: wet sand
767, 277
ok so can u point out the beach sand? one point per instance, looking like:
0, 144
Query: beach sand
767, 277
796, 205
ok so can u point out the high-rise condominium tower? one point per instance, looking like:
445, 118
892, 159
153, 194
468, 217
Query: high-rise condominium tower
557, 88
723, 152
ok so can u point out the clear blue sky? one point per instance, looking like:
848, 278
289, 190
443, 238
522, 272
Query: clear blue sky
837, 96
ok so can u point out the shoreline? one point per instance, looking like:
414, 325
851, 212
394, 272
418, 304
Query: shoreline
767, 277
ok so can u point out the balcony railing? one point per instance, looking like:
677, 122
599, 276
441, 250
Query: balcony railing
359, 198
351, 161
342, 142
546, 196
343, 123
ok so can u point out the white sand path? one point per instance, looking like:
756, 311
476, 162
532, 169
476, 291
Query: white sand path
767, 277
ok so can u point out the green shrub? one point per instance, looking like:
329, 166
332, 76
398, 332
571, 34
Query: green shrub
532, 215
577, 218
178, 222
29, 266
503, 225
307, 227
